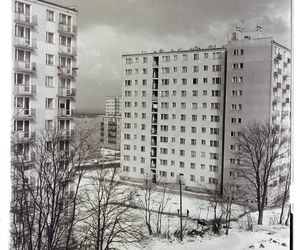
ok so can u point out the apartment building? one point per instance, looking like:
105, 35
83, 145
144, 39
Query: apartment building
172, 114
258, 87
44, 69
182, 109
110, 131
113, 105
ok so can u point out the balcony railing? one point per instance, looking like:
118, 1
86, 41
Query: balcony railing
21, 113
26, 19
65, 92
24, 135
24, 90
69, 51
67, 29
66, 72
285, 113
23, 158
21, 66
66, 113
25, 43
276, 113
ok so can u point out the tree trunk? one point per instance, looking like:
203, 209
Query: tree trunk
260, 217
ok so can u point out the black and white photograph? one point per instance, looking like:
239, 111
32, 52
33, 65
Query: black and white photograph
149, 124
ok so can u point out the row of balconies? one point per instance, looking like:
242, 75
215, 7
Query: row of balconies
30, 113
30, 67
31, 90
32, 20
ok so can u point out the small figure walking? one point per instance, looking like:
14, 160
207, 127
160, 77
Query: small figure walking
178, 211
187, 213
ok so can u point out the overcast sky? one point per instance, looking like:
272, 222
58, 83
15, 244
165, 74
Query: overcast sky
109, 28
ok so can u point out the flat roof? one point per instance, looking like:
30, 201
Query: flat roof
174, 51
58, 5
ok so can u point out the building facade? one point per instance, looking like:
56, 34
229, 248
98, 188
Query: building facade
113, 105
181, 109
44, 69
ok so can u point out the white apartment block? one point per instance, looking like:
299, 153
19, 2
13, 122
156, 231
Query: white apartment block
172, 114
181, 109
44, 69
258, 87
113, 105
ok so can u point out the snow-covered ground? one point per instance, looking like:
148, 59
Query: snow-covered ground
269, 236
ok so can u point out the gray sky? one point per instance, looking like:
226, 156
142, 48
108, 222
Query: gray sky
109, 28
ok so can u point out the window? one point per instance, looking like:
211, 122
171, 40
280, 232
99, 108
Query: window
204, 92
184, 81
181, 164
195, 80
194, 105
182, 129
144, 71
203, 117
174, 81
216, 80
216, 68
192, 177
202, 155
213, 180
236, 92
165, 70
237, 79
205, 80
183, 105
193, 165
204, 105
215, 106
127, 136
182, 141
65, 19
128, 72
203, 142
238, 65
196, 56
50, 15
205, 55
215, 118
49, 59
49, 125
194, 118
215, 93
49, 103
214, 131
184, 57
128, 60
49, 37
217, 55
214, 156
175, 57
195, 93
182, 117
182, 153
194, 130
195, 69
205, 67
183, 93
49, 82
65, 41
203, 130
165, 82
214, 143
236, 106
166, 58
193, 141
145, 59
184, 69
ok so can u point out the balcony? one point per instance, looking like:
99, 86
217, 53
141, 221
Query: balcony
68, 51
65, 113
276, 113
153, 163
21, 113
27, 67
25, 43
278, 56
26, 19
65, 92
66, 71
277, 99
24, 90
22, 158
22, 135
67, 29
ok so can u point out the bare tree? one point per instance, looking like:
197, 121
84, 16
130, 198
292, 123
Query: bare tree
286, 193
110, 219
260, 147
46, 176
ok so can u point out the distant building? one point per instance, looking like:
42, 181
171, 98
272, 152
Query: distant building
182, 108
113, 105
